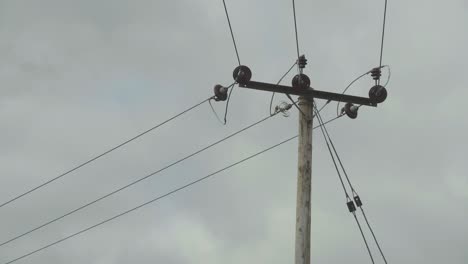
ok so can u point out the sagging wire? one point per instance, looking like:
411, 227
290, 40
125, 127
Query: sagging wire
214, 112
227, 102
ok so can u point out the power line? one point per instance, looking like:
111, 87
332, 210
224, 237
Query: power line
215, 113
329, 121
137, 181
160, 197
295, 28
299, 67
380, 59
363, 237
324, 105
238, 60
354, 192
317, 115
373, 234
103, 154
349, 202
232, 33
383, 33
154, 200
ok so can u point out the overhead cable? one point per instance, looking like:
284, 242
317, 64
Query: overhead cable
295, 28
355, 195
102, 154
349, 201
159, 197
138, 180
232, 32
152, 201
383, 33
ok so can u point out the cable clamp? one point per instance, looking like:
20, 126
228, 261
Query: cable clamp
351, 206
358, 201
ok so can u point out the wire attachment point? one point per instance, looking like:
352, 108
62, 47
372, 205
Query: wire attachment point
301, 81
242, 74
376, 73
378, 94
283, 108
221, 93
350, 110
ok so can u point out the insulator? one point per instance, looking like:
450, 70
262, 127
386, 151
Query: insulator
350, 110
351, 207
242, 74
358, 201
376, 73
378, 94
301, 81
220, 92
302, 61
283, 107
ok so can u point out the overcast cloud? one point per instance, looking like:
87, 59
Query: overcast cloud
78, 77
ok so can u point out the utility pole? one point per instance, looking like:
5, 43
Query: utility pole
304, 182
301, 87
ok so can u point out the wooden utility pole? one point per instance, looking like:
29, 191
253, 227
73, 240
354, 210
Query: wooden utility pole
301, 87
304, 182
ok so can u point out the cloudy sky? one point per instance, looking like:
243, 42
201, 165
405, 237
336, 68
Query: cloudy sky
78, 77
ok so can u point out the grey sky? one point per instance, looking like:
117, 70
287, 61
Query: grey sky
78, 77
